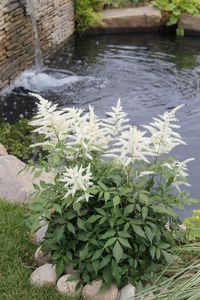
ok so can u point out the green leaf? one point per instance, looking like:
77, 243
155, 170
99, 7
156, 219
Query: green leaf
104, 261
97, 254
81, 224
117, 252
101, 211
57, 208
106, 196
108, 234
144, 212
129, 209
93, 218
153, 251
124, 242
71, 228
116, 200
138, 230
149, 234
110, 242
158, 253
84, 252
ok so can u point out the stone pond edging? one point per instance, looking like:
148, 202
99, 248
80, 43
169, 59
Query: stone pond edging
140, 19
16, 185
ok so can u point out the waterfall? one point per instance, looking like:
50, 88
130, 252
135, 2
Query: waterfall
38, 54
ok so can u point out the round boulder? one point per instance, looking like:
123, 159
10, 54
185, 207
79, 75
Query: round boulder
44, 275
68, 288
92, 292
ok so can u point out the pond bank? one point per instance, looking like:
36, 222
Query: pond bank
140, 19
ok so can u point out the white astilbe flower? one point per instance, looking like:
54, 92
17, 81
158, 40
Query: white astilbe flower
180, 172
116, 122
49, 121
132, 146
77, 180
163, 136
89, 136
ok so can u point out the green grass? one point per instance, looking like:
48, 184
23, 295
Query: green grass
16, 258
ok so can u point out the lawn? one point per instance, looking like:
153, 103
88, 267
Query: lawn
16, 258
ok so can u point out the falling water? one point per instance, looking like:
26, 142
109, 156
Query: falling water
38, 53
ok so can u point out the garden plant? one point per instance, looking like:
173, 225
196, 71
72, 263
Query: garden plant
111, 205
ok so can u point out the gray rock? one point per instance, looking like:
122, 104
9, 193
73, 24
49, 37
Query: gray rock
40, 234
68, 288
44, 275
146, 18
40, 257
127, 292
3, 150
16, 186
190, 24
92, 292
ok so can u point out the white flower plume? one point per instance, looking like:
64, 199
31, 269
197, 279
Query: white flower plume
49, 121
180, 171
132, 146
89, 136
163, 136
77, 180
116, 122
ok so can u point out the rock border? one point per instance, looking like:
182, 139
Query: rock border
141, 19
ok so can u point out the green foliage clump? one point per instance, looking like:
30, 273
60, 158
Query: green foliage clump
174, 9
111, 219
87, 13
17, 139
193, 226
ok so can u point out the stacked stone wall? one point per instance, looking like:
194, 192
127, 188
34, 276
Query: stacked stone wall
55, 22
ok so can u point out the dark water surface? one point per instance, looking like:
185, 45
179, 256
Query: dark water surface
150, 73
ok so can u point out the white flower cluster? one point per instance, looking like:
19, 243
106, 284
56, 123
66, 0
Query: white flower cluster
77, 180
85, 137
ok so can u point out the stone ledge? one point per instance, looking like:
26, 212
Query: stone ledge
190, 24
146, 18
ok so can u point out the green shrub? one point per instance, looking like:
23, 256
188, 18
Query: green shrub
87, 13
110, 219
176, 7
193, 226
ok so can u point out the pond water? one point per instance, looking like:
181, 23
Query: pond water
150, 73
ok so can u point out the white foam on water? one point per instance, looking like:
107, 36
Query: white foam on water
51, 79
31, 80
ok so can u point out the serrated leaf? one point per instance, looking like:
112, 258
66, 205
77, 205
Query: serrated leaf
81, 224
93, 218
129, 209
71, 227
149, 234
106, 196
110, 242
104, 261
97, 254
84, 252
116, 200
153, 251
108, 234
144, 212
124, 242
138, 230
57, 208
117, 252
